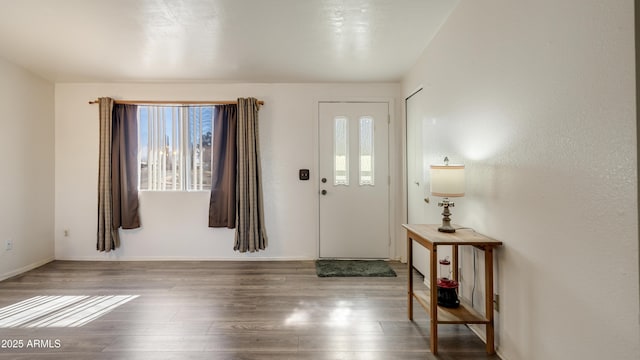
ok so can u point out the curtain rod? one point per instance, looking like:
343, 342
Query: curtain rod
157, 102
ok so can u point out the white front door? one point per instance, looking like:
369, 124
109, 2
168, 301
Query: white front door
354, 180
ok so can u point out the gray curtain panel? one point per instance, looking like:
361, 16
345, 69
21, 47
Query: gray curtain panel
222, 203
250, 230
124, 167
108, 238
117, 173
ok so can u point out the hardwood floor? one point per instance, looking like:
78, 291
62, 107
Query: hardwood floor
228, 310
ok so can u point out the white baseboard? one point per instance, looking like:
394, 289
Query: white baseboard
180, 258
25, 268
476, 330
107, 257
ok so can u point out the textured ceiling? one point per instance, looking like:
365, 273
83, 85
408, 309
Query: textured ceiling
219, 40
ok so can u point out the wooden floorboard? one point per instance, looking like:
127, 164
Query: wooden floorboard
228, 310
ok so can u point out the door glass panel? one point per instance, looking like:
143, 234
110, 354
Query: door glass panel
341, 151
366, 151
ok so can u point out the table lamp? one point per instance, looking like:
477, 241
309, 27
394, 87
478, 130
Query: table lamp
447, 181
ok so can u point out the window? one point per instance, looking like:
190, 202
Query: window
341, 151
174, 151
366, 151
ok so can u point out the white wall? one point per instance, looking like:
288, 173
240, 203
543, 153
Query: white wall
538, 99
174, 225
26, 178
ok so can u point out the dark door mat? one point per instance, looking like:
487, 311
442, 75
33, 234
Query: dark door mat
347, 268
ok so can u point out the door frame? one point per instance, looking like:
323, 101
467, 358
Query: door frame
395, 167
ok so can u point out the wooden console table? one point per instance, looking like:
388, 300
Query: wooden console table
429, 237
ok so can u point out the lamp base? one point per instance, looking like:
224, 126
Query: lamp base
447, 229
446, 219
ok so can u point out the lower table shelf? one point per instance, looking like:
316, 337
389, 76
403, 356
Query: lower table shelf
464, 314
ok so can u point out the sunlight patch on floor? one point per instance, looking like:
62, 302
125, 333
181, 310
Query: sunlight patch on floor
59, 311
340, 316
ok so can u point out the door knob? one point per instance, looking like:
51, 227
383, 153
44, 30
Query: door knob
323, 192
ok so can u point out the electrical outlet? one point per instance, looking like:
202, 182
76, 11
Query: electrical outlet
9, 245
496, 302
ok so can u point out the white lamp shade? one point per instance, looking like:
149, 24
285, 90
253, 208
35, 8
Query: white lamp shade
447, 180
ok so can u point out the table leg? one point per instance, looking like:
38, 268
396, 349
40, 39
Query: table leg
488, 261
454, 263
433, 313
409, 276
